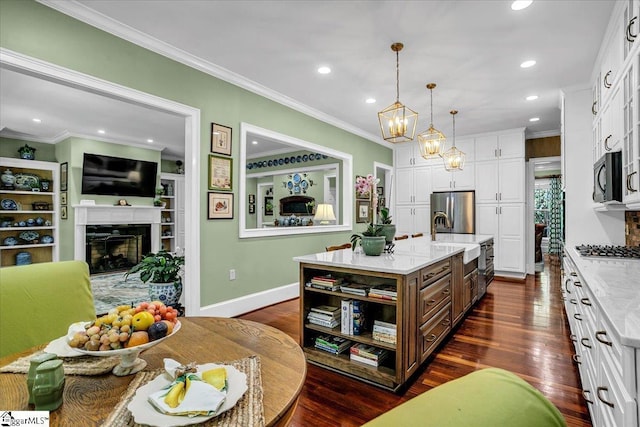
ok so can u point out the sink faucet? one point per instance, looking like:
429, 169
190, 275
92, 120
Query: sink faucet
433, 223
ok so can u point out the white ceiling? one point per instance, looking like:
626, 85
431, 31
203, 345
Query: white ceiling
471, 49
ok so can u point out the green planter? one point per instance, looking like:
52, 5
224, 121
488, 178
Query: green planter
389, 231
373, 245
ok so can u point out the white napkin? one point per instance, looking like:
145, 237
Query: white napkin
201, 399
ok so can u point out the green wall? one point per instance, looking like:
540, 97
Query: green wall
263, 263
9, 148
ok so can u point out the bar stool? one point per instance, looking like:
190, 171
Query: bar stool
404, 236
338, 247
417, 235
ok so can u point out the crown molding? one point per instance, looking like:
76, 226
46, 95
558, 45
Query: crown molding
84, 14
543, 134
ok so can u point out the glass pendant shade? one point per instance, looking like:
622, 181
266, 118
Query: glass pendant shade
397, 121
431, 142
453, 158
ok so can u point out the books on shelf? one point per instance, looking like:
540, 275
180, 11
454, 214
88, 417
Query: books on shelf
353, 317
367, 354
332, 344
329, 310
355, 288
388, 292
384, 331
324, 315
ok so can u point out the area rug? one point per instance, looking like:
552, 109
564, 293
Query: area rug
112, 290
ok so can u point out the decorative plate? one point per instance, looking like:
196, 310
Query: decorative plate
296, 178
26, 181
318, 156
305, 157
29, 236
270, 163
292, 159
304, 184
144, 413
289, 185
249, 165
10, 241
286, 160
46, 239
298, 159
296, 189
9, 204
280, 162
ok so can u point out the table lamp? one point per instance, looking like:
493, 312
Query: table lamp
324, 214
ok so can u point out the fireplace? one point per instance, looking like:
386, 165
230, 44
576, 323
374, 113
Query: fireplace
111, 248
114, 238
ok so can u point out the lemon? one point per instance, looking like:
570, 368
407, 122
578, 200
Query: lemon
141, 321
217, 377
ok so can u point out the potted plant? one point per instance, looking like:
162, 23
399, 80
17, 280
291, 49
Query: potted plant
157, 201
388, 229
162, 271
372, 240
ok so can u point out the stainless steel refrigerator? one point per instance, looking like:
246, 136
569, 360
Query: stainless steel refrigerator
459, 206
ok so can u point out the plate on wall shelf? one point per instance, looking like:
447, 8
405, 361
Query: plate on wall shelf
26, 181
29, 236
9, 205
10, 241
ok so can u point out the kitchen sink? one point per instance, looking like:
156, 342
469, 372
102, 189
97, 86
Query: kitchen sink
471, 250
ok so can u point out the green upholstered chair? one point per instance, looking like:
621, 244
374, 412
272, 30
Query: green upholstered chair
38, 302
487, 398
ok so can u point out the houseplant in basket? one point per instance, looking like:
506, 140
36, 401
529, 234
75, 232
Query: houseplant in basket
162, 272
372, 240
388, 229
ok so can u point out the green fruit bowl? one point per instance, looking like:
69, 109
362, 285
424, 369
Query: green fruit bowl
130, 363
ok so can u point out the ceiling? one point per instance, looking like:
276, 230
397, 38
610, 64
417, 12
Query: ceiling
471, 49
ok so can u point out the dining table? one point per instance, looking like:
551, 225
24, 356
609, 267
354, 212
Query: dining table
90, 399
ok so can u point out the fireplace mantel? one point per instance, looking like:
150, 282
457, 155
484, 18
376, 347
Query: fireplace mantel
107, 215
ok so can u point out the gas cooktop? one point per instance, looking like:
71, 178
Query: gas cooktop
609, 251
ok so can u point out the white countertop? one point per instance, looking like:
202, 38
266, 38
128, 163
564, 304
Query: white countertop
615, 284
409, 255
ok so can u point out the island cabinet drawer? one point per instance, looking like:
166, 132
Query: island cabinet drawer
434, 331
433, 298
620, 358
435, 271
617, 406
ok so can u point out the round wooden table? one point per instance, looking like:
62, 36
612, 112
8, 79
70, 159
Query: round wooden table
88, 400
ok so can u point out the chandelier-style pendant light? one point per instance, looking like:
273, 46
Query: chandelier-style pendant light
397, 121
431, 141
454, 158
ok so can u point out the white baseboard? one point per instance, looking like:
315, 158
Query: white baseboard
247, 303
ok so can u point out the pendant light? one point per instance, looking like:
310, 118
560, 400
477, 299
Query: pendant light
454, 158
397, 121
431, 141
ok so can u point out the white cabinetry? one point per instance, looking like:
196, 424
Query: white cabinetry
630, 137
413, 185
443, 180
507, 145
413, 188
500, 181
412, 219
172, 217
506, 223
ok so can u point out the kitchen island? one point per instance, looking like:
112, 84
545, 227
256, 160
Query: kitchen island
426, 287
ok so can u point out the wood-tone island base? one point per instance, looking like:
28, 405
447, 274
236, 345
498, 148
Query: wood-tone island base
434, 289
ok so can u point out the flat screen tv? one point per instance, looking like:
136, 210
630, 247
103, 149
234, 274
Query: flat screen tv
116, 176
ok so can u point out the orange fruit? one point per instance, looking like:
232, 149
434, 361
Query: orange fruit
137, 338
141, 321
169, 325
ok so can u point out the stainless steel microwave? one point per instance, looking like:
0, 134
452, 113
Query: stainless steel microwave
607, 178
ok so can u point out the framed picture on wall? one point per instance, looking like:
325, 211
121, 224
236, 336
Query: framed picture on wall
220, 206
365, 196
64, 172
268, 205
63, 212
380, 191
252, 209
63, 198
363, 210
220, 139
252, 198
220, 173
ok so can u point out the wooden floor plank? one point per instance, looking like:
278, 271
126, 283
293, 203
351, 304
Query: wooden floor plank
518, 326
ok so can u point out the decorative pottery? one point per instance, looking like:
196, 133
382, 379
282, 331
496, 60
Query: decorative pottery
10, 241
27, 153
389, 231
8, 179
45, 184
46, 239
23, 258
168, 293
373, 245
39, 221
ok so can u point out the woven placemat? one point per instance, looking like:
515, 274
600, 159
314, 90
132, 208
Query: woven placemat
248, 412
81, 365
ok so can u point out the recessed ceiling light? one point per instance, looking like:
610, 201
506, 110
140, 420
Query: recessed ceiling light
370, 101
521, 4
527, 64
532, 97
101, 131
534, 119
254, 142
324, 70
149, 140
36, 120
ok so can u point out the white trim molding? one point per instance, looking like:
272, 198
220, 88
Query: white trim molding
237, 306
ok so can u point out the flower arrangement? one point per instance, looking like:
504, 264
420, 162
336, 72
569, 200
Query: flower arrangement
366, 188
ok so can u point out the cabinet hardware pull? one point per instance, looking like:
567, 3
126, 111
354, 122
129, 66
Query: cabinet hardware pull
630, 36
629, 187
446, 322
573, 338
431, 302
576, 358
500, 152
603, 340
605, 80
593, 108
582, 341
586, 301
606, 402
606, 143
577, 284
584, 396
566, 285
577, 316
446, 292
573, 301
573, 273
431, 338
495, 153
500, 210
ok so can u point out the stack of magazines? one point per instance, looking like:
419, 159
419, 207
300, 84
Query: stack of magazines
367, 354
324, 315
384, 292
327, 283
355, 288
332, 344
384, 332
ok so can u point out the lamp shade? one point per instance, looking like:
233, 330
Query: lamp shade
324, 213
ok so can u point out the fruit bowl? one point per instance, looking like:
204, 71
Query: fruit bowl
130, 363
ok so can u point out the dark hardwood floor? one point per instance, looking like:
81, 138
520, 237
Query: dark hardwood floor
517, 326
